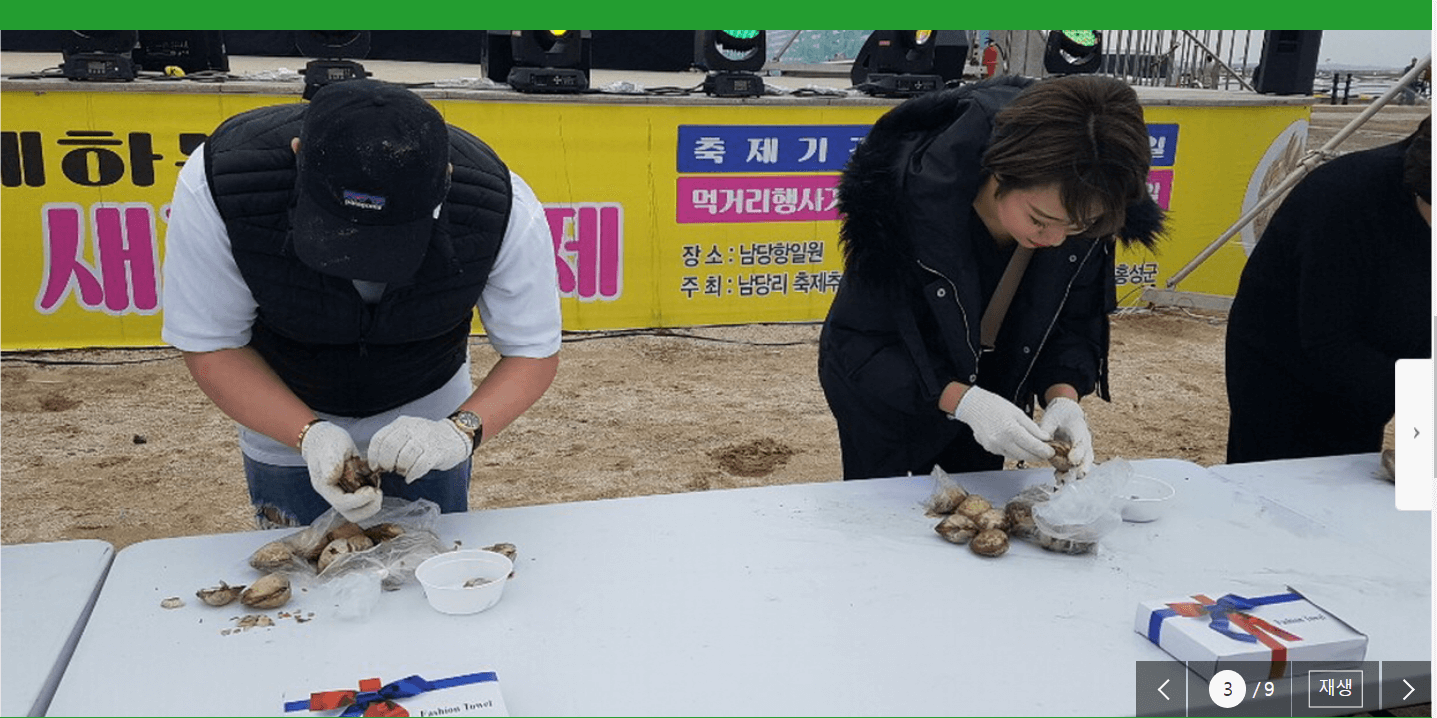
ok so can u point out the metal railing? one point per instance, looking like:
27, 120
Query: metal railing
1206, 59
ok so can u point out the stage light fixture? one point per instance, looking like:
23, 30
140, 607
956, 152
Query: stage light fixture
1073, 52
98, 54
730, 57
897, 63
548, 61
335, 52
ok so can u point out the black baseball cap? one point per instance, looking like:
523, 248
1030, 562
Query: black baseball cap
372, 171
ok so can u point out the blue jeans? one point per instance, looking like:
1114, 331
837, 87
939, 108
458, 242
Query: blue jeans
282, 495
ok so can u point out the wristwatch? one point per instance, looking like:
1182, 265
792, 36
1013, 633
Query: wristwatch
469, 423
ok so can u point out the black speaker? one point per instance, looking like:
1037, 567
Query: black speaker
950, 54
189, 50
1289, 62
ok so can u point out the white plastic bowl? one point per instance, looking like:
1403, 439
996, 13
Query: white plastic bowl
1145, 499
443, 578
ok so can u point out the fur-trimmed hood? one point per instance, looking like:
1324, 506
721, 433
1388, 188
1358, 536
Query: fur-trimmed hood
912, 181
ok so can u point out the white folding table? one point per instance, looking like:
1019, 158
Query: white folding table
47, 591
827, 598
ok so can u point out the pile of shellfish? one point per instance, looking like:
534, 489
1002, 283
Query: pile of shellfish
345, 538
969, 518
273, 590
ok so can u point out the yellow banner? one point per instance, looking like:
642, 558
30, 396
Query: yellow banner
661, 214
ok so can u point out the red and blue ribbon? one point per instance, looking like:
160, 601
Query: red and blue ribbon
373, 699
1233, 610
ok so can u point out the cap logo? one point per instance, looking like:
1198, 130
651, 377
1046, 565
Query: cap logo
362, 200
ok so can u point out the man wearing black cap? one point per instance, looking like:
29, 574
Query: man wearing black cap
322, 265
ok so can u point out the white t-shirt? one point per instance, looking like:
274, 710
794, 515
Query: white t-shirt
208, 306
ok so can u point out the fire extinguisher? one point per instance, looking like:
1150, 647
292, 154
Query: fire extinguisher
990, 59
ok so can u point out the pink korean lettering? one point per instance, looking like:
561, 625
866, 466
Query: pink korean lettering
124, 276
588, 249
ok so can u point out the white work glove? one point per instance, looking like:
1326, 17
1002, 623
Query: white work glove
1002, 428
412, 447
326, 447
1065, 420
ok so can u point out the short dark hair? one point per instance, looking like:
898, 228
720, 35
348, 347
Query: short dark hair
1083, 133
1417, 162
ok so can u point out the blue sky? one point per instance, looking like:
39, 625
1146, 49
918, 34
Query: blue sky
1381, 48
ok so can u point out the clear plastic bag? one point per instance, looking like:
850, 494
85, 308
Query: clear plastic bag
390, 561
1088, 509
947, 494
355, 593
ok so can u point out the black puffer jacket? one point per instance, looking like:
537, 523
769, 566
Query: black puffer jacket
906, 318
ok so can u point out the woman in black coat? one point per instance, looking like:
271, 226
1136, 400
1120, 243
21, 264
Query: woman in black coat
1335, 292
941, 194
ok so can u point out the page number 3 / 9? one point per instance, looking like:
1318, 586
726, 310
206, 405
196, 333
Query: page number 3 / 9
1227, 689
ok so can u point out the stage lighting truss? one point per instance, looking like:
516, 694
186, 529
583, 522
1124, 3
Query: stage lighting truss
1072, 52
98, 54
730, 57
335, 52
550, 61
897, 63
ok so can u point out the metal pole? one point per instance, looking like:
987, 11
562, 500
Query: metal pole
1309, 162
784, 49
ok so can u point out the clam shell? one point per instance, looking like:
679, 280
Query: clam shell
991, 542
220, 595
272, 591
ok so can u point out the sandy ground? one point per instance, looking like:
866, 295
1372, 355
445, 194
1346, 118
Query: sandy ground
120, 445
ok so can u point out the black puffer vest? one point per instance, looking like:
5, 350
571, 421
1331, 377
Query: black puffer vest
337, 353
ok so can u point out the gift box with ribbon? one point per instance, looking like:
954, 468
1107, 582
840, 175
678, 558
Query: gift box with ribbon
473, 694
1257, 634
